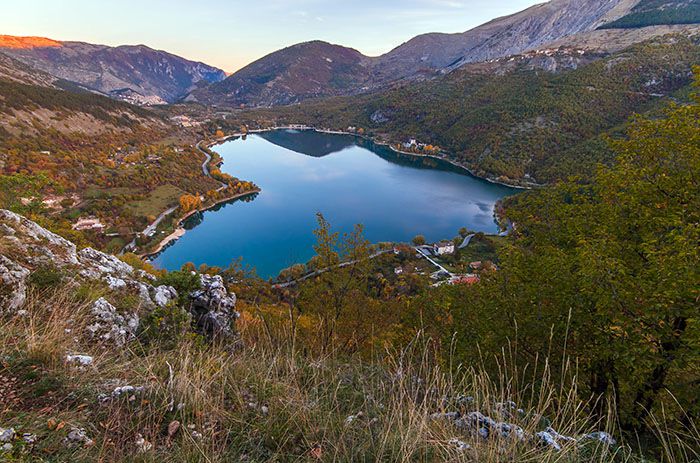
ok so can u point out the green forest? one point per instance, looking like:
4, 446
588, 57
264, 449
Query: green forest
655, 12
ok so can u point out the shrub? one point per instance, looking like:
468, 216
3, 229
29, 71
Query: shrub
46, 277
183, 281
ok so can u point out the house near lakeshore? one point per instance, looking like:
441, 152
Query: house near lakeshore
412, 143
443, 247
468, 279
88, 223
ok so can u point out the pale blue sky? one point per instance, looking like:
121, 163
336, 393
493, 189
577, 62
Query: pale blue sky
231, 34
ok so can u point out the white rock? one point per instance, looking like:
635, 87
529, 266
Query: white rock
83, 360
13, 285
548, 440
163, 295
600, 436
458, 444
110, 325
78, 436
120, 391
142, 444
115, 283
7, 434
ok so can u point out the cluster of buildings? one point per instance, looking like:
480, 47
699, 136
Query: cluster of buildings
414, 145
88, 223
184, 121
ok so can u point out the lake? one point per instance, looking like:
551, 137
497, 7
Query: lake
349, 180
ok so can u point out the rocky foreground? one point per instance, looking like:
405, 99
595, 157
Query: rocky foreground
96, 380
27, 247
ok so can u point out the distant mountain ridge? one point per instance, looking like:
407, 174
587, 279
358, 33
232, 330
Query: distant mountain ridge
317, 69
302, 71
276, 78
272, 80
137, 74
500, 37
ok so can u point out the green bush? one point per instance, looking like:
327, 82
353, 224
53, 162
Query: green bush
183, 281
46, 277
165, 326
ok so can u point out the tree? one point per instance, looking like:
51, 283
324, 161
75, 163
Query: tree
610, 271
338, 299
418, 240
190, 203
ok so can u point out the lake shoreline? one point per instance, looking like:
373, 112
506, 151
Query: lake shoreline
379, 143
180, 231
315, 142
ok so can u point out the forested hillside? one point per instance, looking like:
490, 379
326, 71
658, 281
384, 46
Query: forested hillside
519, 125
654, 12
68, 155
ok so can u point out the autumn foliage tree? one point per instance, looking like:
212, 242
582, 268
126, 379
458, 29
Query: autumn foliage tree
190, 203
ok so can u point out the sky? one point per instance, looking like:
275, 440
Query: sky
230, 34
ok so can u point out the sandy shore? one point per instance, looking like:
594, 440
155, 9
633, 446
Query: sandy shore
174, 236
180, 231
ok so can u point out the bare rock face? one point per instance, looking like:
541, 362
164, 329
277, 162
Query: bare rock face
163, 295
25, 246
213, 308
510, 35
110, 325
13, 286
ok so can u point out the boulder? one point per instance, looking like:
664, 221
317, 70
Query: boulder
27, 246
7, 435
213, 308
98, 264
110, 326
130, 391
78, 436
13, 285
79, 359
163, 295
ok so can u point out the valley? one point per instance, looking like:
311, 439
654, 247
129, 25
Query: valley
474, 246
348, 180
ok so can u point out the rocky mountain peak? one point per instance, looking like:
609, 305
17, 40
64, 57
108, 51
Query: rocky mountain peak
120, 72
10, 41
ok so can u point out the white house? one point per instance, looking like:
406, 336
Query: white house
444, 247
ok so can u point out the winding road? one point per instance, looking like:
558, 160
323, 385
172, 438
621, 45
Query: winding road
205, 164
324, 270
149, 230
420, 251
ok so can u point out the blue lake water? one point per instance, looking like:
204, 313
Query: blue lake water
349, 180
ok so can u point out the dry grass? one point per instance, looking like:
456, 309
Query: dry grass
269, 403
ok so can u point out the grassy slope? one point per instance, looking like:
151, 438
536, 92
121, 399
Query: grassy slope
265, 403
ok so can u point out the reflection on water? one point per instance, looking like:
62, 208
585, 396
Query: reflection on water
348, 179
309, 142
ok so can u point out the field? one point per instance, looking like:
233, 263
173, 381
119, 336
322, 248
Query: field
157, 201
